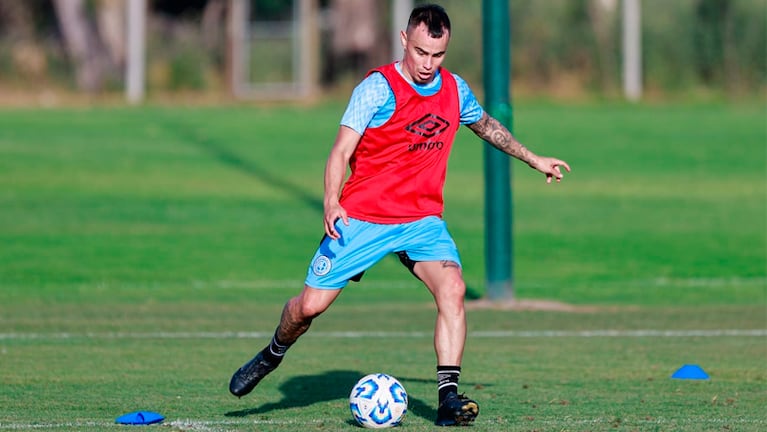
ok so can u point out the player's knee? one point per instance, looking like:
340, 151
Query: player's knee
309, 310
456, 288
451, 295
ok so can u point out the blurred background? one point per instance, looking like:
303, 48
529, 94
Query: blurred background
60, 52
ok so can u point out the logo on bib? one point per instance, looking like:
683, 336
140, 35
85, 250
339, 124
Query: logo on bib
428, 126
321, 265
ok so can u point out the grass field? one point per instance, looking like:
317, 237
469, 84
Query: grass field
146, 253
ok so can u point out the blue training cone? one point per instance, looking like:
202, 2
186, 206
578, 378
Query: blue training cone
140, 418
690, 371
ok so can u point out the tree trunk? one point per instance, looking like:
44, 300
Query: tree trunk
82, 44
17, 22
212, 25
602, 14
110, 20
356, 36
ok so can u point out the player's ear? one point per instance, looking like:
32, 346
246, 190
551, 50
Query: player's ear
403, 39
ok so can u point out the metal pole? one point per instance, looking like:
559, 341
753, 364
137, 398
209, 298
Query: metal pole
135, 64
308, 47
498, 217
632, 49
238, 31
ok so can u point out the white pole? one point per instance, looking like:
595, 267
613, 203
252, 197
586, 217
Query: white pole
239, 16
632, 49
400, 14
307, 47
135, 62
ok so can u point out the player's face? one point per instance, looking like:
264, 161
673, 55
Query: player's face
423, 53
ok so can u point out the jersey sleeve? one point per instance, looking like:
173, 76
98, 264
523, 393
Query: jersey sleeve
366, 101
471, 110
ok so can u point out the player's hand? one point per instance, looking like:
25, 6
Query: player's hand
550, 167
332, 214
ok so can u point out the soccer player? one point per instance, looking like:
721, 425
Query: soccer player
396, 136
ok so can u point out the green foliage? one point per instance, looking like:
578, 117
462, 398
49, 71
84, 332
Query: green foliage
561, 47
271, 10
178, 58
271, 61
187, 70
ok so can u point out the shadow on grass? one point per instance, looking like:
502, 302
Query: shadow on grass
218, 151
305, 390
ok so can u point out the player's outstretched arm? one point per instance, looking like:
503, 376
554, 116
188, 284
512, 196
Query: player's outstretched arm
492, 131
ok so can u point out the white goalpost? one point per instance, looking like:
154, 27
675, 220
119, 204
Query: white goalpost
253, 75
632, 49
135, 62
291, 75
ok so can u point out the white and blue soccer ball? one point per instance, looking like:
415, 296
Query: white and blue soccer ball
378, 401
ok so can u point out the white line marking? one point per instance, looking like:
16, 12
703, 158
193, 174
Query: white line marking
64, 425
624, 333
660, 281
394, 334
185, 424
216, 425
206, 425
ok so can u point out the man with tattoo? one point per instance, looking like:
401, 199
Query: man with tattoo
396, 136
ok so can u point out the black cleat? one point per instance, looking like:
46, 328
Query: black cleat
247, 377
456, 410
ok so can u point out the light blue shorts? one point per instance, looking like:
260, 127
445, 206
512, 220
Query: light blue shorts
362, 244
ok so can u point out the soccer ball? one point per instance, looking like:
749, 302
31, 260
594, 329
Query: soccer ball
378, 401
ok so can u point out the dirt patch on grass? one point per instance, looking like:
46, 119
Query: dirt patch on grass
531, 305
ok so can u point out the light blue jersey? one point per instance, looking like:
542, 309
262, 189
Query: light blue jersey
372, 102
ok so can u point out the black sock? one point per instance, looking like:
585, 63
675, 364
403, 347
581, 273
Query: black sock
275, 351
447, 380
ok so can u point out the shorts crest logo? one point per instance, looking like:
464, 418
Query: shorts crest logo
321, 265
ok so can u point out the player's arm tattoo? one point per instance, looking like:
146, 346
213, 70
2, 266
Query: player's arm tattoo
492, 131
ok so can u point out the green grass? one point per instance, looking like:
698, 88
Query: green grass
146, 253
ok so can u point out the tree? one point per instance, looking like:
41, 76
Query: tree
17, 24
356, 35
88, 52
